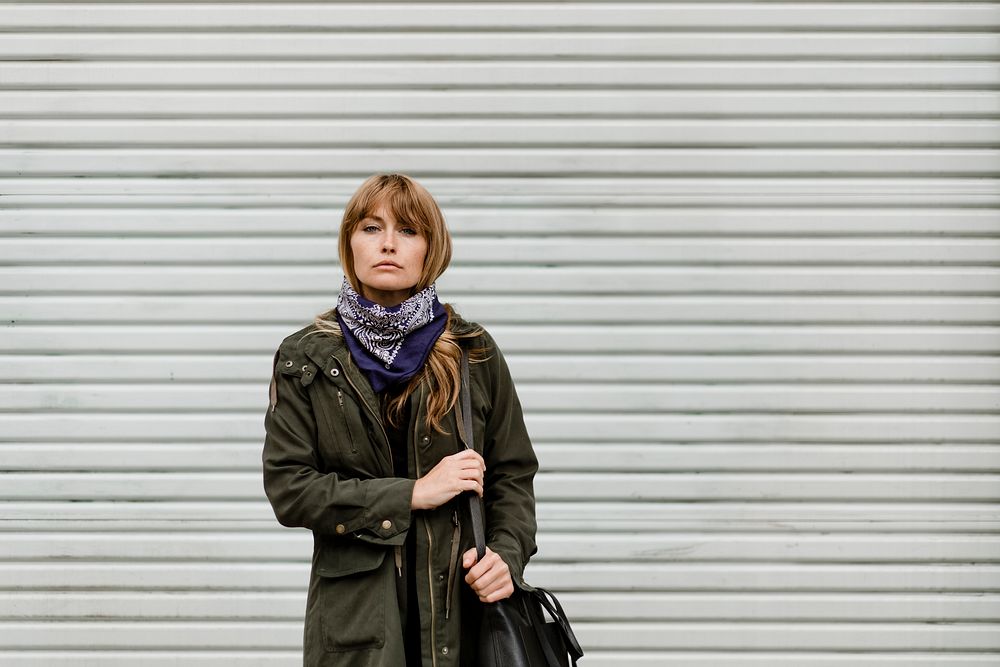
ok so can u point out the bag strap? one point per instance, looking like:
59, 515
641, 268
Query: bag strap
551, 604
475, 502
546, 598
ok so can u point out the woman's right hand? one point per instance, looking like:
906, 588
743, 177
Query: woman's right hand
451, 476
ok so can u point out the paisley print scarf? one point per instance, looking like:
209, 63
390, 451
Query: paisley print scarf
390, 344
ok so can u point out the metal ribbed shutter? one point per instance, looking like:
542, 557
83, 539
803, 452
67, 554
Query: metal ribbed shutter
742, 258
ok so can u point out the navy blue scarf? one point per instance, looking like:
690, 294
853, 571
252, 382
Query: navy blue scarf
390, 345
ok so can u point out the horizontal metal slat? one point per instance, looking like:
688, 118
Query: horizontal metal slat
741, 339
484, 162
908, 428
462, 281
611, 250
225, 576
581, 607
885, 366
534, 133
180, 216
619, 636
594, 658
623, 398
586, 310
448, 44
744, 658
553, 457
606, 486
774, 516
534, 190
609, 74
176, 104
295, 545
602, 15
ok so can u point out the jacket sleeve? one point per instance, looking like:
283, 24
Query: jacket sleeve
511, 464
373, 510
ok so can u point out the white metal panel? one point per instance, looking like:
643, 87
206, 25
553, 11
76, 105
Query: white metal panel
742, 259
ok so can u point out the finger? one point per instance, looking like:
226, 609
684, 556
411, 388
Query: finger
469, 558
494, 592
471, 455
490, 581
483, 566
472, 476
467, 455
500, 594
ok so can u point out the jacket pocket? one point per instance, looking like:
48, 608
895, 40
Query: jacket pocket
352, 595
338, 423
344, 449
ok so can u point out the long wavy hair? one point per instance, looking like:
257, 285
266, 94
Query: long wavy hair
411, 203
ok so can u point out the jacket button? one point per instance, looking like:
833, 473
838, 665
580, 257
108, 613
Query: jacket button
334, 372
444, 650
386, 525
289, 363
425, 439
340, 529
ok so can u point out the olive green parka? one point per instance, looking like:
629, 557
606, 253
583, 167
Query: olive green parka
327, 467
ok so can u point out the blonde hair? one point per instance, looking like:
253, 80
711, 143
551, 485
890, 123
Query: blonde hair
410, 203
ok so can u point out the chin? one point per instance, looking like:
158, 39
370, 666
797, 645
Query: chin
387, 286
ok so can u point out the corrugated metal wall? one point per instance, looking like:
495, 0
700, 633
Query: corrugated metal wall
742, 258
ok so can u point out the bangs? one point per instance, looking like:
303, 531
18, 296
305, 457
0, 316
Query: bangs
406, 208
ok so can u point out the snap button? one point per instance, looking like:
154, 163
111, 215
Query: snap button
289, 363
340, 529
386, 525
444, 650
425, 439
305, 368
440, 577
334, 372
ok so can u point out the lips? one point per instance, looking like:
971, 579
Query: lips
388, 264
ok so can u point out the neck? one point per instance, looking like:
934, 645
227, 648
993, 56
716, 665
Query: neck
386, 299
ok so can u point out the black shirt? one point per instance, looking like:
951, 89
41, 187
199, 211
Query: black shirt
406, 582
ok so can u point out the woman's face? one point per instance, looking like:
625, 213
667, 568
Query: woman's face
388, 257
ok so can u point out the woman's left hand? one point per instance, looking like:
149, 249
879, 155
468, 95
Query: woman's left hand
490, 578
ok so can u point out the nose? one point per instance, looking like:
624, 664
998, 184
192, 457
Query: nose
388, 245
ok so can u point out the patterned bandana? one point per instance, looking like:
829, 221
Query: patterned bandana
390, 344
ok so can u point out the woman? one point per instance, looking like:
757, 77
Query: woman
363, 448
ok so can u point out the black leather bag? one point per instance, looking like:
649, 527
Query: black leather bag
514, 631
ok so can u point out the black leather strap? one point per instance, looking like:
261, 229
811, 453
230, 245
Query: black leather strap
475, 502
544, 597
551, 604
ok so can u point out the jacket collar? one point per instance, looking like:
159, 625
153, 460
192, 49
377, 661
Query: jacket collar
331, 355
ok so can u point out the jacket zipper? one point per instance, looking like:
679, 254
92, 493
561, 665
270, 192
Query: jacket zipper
427, 528
430, 589
343, 418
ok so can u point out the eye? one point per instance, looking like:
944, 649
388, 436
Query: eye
369, 228
410, 231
